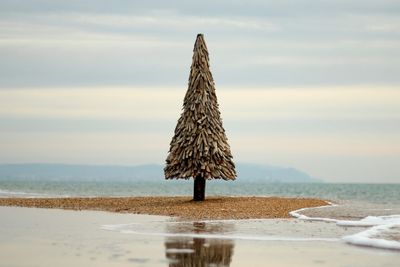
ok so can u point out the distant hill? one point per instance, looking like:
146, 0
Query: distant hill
151, 172
273, 174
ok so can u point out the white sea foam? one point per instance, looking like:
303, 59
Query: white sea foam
298, 215
125, 229
8, 193
372, 221
380, 226
372, 237
379, 230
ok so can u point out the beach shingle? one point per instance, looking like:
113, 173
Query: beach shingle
183, 207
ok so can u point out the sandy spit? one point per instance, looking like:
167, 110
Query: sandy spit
212, 208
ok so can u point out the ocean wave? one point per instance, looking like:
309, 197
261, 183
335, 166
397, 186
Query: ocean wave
372, 237
383, 231
7, 193
138, 230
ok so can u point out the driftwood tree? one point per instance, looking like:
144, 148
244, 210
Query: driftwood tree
199, 148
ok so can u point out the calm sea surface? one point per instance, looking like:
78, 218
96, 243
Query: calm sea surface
372, 193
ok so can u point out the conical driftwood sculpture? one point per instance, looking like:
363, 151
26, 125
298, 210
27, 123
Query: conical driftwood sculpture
199, 148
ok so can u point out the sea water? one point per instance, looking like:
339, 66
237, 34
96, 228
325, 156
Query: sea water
381, 232
360, 214
372, 193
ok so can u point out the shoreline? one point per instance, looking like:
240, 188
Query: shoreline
104, 239
213, 208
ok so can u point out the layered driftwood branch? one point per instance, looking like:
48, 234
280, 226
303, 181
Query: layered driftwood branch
200, 146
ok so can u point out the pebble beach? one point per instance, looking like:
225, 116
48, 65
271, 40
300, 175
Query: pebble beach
213, 208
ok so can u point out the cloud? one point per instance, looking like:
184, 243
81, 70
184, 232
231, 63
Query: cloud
176, 23
54, 43
80, 147
90, 103
240, 104
308, 84
291, 126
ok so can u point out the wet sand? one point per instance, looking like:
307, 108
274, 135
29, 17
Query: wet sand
53, 237
182, 207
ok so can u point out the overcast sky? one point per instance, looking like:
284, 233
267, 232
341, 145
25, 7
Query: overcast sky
308, 84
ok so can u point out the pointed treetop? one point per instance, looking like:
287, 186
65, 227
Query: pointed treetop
199, 40
199, 146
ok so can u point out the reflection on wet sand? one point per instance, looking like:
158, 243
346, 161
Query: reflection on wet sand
199, 252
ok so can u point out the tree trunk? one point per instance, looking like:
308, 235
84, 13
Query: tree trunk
199, 188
